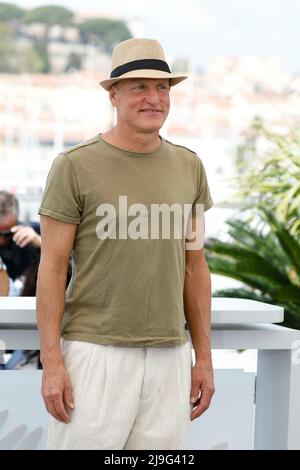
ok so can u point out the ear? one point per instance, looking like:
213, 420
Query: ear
112, 94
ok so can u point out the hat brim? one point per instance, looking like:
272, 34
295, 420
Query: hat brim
144, 73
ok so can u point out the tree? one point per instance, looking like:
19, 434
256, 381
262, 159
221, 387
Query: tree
263, 246
30, 61
7, 49
9, 12
104, 31
49, 15
40, 49
274, 179
74, 62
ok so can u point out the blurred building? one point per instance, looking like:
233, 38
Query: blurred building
210, 112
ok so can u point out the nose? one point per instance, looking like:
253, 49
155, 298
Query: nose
152, 96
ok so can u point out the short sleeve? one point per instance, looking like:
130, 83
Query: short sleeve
203, 195
61, 197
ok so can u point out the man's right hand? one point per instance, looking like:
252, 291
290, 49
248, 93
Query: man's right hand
57, 392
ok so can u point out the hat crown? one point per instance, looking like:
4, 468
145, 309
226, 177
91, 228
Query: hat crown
140, 58
136, 49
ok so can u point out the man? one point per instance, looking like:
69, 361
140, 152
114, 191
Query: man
122, 375
19, 251
19, 243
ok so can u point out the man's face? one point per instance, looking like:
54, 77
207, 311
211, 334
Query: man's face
6, 222
142, 104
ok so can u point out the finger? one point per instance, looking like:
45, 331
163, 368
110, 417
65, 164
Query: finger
21, 228
202, 405
22, 239
51, 410
18, 236
200, 409
26, 240
60, 409
195, 392
19, 232
68, 396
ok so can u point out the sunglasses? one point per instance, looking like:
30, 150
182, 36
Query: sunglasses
6, 233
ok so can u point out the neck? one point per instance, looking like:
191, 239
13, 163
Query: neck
132, 141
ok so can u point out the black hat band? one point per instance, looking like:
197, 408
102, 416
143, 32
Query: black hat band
153, 64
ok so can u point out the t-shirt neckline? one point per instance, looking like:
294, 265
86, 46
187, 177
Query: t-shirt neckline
131, 153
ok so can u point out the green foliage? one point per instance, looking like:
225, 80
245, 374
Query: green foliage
274, 180
9, 12
15, 60
50, 15
74, 62
40, 49
263, 247
104, 31
7, 49
30, 61
15, 57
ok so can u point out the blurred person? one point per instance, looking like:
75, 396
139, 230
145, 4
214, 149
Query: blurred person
118, 370
8, 287
26, 288
19, 242
4, 279
19, 251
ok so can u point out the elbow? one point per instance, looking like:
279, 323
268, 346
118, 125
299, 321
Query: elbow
199, 266
52, 268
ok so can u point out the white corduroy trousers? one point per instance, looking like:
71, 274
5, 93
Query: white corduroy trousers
126, 397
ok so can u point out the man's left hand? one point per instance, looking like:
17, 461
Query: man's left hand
203, 382
25, 235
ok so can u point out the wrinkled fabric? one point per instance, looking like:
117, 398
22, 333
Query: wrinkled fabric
124, 291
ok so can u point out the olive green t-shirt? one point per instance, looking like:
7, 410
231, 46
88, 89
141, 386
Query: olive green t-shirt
126, 289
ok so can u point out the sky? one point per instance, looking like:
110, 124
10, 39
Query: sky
203, 29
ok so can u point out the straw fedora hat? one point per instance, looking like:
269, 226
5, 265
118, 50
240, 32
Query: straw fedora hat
139, 58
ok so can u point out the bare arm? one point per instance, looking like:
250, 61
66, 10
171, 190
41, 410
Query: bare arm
197, 303
4, 283
197, 309
57, 242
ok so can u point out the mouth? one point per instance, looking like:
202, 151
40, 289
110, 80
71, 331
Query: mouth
151, 111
